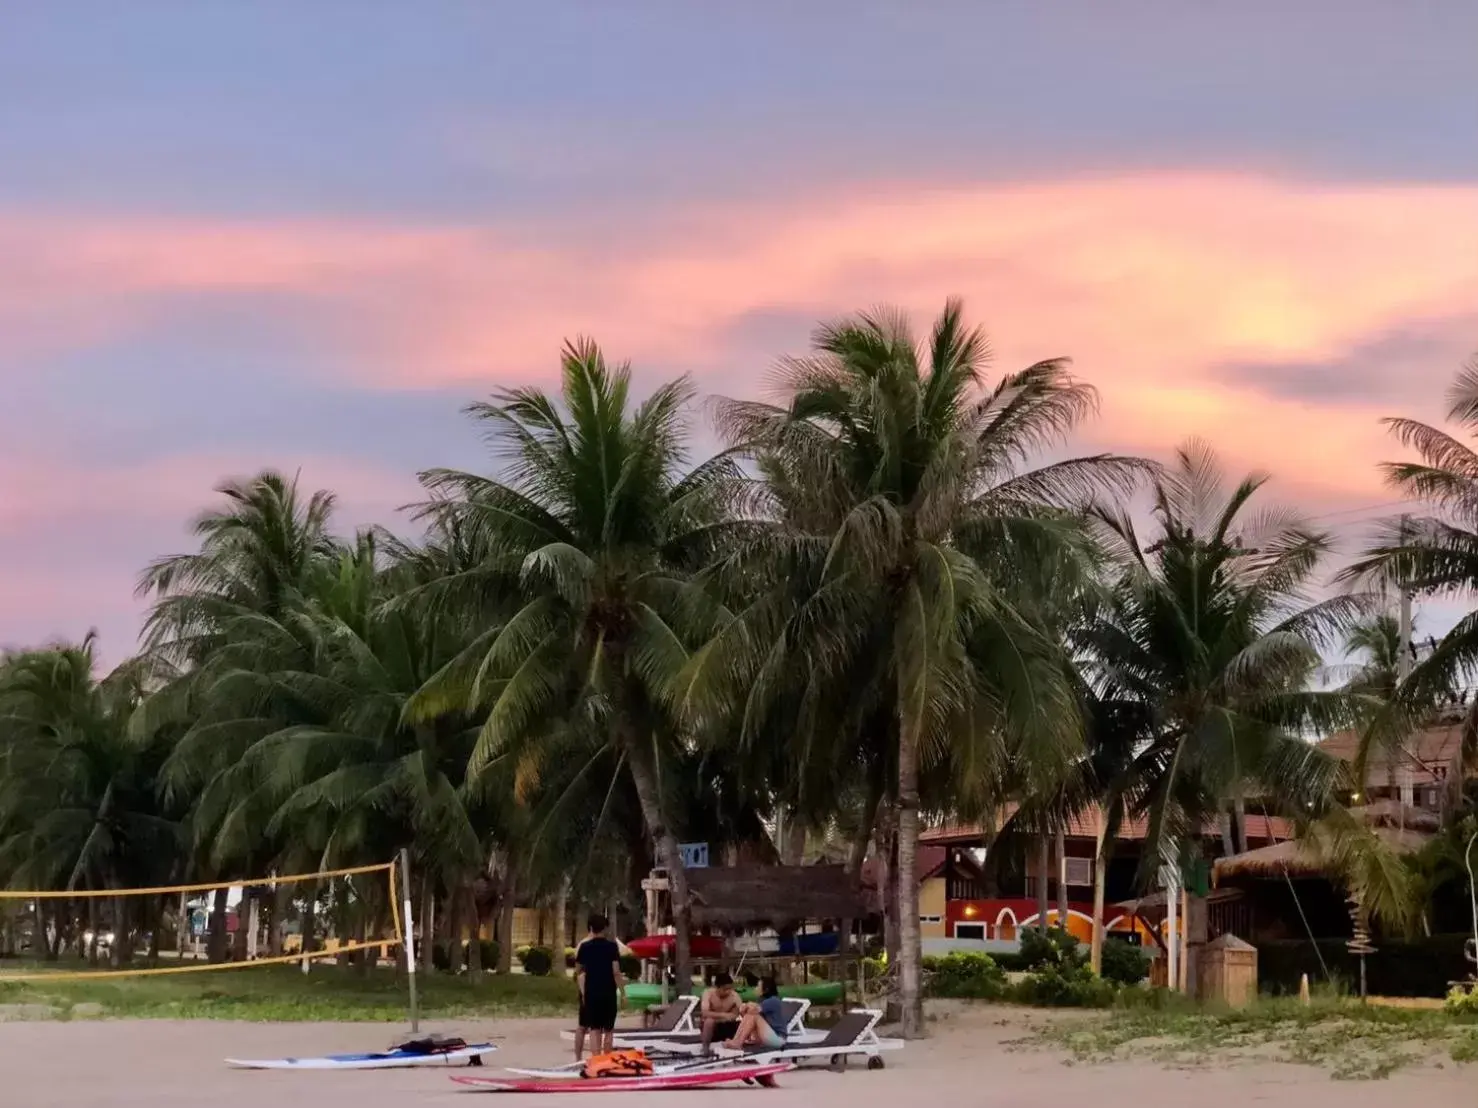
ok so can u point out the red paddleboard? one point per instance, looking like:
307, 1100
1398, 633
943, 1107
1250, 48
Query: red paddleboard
762, 1075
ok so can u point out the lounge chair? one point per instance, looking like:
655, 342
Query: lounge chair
691, 1042
855, 1035
676, 1019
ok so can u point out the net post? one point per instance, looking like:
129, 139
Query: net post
409, 944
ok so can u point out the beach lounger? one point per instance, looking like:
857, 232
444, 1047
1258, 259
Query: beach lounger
676, 1019
691, 1042
855, 1035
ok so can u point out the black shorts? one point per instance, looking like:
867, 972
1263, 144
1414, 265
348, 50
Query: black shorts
722, 1032
598, 1013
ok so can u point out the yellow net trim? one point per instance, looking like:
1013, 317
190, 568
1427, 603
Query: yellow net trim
203, 887
397, 939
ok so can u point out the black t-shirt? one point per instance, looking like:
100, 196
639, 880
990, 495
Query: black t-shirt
598, 957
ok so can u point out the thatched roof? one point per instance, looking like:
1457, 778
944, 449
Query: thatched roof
774, 896
1305, 858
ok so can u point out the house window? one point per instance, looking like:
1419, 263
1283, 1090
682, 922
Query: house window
931, 919
970, 931
1080, 871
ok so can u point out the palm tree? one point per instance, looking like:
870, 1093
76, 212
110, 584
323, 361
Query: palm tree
901, 509
1198, 661
1433, 554
598, 518
77, 805
221, 621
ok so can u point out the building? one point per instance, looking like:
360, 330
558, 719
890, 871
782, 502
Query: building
965, 896
1419, 775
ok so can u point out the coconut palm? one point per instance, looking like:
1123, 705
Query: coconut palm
1432, 553
597, 515
900, 510
1200, 661
221, 620
77, 803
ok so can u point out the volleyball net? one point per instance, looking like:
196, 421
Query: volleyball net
281, 919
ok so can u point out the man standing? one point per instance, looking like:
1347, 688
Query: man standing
599, 979
720, 1010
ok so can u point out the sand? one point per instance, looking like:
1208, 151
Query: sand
965, 1062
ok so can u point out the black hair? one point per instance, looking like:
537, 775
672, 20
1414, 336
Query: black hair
768, 987
722, 980
598, 923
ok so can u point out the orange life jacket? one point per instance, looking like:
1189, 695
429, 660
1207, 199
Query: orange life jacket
619, 1063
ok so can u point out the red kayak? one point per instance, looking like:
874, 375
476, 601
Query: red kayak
701, 946
759, 1075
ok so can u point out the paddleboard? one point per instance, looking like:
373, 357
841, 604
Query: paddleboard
470, 1055
761, 1075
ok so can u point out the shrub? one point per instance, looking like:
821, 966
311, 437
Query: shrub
489, 951
569, 957
818, 971
537, 961
1051, 948
1124, 962
965, 976
1462, 1001
631, 967
1064, 986
440, 958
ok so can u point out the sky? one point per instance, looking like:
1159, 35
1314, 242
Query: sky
301, 235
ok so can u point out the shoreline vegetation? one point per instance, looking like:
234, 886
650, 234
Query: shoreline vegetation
285, 994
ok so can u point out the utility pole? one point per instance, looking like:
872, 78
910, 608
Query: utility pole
1403, 669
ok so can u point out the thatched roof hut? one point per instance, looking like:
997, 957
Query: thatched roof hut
1306, 858
781, 897
1401, 828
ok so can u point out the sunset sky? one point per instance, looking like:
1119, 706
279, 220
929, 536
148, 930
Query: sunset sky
300, 235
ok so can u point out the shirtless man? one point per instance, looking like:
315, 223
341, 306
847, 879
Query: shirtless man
720, 1010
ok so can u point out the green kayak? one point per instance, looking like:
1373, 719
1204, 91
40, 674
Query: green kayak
641, 995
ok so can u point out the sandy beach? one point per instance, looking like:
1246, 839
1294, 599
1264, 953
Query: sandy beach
966, 1061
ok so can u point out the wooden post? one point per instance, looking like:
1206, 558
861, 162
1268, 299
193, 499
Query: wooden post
410, 936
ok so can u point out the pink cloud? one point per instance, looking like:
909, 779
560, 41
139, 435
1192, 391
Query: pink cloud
89, 530
1151, 282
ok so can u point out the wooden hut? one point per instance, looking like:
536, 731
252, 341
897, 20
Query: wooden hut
734, 898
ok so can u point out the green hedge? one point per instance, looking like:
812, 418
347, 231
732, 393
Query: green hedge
965, 976
1420, 967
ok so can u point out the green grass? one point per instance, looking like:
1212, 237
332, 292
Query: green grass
1350, 1040
283, 993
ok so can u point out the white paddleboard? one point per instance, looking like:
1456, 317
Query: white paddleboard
371, 1060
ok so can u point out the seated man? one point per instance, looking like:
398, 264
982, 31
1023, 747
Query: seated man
762, 1024
719, 1010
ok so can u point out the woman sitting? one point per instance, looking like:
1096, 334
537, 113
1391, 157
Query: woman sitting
761, 1024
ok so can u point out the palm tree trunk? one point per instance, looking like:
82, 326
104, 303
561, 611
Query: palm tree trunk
276, 923
1100, 881
1239, 819
474, 947
887, 841
910, 939
428, 923
863, 837
648, 792
1062, 899
1044, 866
216, 945
506, 907
308, 924
561, 926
